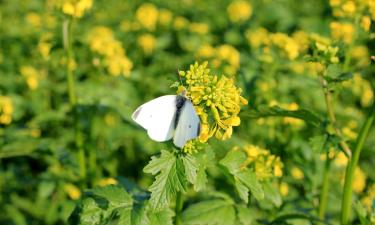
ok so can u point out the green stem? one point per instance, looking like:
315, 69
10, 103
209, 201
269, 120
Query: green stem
67, 41
178, 208
325, 187
352, 164
331, 115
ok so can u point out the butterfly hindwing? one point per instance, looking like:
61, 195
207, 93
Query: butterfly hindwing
188, 125
158, 117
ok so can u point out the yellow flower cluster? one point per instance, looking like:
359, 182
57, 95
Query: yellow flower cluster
361, 88
369, 198
76, 8
325, 49
352, 8
216, 99
292, 107
147, 16
6, 110
286, 46
193, 146
225, 56
342, 32
239, 11
147, 42
103, 42
31, 75
264, 164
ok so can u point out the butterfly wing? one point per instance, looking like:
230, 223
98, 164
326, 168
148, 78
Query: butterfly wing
157, 117
188, 125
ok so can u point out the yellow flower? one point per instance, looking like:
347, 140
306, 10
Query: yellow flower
359, 182
217, 101
102, 41
180, 23
6, 110
72, 191
264, 164
206, 51
165, 17
229, 54
360, 55
76, 8
349, 8
147, 42
107, 181
31, 75
342, 31
289, 46
193, 146
369, 198
147, 16
257, 37
284, 189
34, 19
199, 28
297, 173
341, 160
366, 23
239, 11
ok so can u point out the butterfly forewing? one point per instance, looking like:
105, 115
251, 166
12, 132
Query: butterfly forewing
157, 117
188, 125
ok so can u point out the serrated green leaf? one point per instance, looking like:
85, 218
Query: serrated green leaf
139, 215
210, 212
249, 179
191, 167
245, 215
205, 159
265, 111
116, 196
157, 164
125, 216
164, 217
242, 190
168, 182
272, 193
233, 160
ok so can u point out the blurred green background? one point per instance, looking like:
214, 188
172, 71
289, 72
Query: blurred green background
124, 53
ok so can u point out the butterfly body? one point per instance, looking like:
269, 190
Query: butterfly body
167, 117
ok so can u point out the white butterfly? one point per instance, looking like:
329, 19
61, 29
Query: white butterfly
169, 116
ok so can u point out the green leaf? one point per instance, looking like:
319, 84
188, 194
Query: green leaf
205, 159
164, 217
242, 190
139, 215
19, 148
317, 143
249, 179
165, 160
215, 212
233, 161
170, 180
265, 111
191, 167
116, 196
103, 205
245, 215
271, 193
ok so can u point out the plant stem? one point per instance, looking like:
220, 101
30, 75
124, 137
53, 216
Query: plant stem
67, 42
352, 164
331, 115
178, 208
325, 187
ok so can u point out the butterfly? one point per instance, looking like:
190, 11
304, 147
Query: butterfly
167, 117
